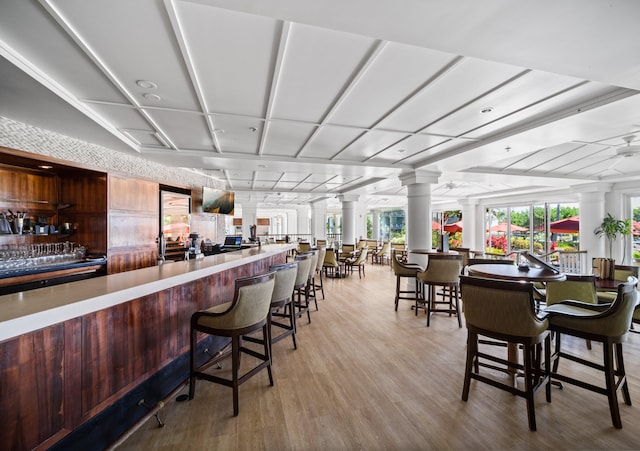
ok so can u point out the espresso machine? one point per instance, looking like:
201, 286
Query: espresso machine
195, 244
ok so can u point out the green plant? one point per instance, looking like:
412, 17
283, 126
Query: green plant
610, 228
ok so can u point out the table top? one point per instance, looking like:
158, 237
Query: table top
431, 252
513, 272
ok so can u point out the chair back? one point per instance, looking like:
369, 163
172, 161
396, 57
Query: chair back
330, 259
622, 272
573, 262
252, 300
304, 247
361, 244
500, 306
285, 275
399, 268
321, 243
321, 255
616, 321
384, 249
443, 268
362, 257
348, 248
575, 287
465, 252
314, 262
304, 263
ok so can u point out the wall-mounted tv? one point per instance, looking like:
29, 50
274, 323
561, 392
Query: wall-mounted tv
217, 201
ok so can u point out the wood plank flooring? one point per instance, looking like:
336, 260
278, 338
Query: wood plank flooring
366, 377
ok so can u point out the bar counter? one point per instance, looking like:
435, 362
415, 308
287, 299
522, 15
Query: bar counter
32, 310
77, 358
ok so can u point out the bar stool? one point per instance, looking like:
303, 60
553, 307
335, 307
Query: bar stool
444, 271
249, 311
300, 293
311, 280
406, 270
281, 305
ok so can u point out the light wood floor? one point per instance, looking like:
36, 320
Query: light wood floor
366, 377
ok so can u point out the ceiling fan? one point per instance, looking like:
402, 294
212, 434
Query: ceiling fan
628, 150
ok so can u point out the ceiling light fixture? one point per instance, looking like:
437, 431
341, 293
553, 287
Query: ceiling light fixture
401, 150
154, 97
487, 110
628, 150
253, 129
45, 166
262, 166
218, 130
146, 84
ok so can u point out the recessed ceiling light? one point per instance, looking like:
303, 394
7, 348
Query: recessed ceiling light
218, 130
253, 129
401, 150
487, 110
262, 165
154, 97
146, 84
45, 166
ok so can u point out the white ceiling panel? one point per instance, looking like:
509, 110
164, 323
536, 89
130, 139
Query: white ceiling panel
186, 131
369, 144
317, 66
150, 55
236, 135
407, 147
329, 140
392, 77
122, 116
464, 82
234, 70
286, 138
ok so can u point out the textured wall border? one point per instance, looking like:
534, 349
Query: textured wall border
25, 137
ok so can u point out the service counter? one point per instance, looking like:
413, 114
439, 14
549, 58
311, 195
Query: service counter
70, 352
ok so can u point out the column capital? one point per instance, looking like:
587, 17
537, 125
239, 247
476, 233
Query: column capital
349, 197
417, 176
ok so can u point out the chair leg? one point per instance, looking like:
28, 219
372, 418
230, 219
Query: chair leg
609, 372
621, 374
455, 288
235, 365
192, 361
528, 384
267, 351
472, 348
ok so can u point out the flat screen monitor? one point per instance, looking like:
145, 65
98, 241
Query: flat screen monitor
217, 201
233, 241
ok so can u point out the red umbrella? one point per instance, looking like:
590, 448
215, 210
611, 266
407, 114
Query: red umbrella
453, 227
635, 225
435, 225
502, 227
567, 225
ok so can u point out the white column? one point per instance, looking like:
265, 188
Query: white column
592, 211
319, 220
470, 224
303, 220
418, 185
249, 217
361, 221
348, 218
375, 231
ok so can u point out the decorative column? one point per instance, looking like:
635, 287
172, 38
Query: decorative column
348, 217
319, 220
249, 217
361, 221
592, 211
418, 185
375, 231
303, 220
470, 225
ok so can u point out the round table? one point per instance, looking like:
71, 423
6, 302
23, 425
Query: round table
513, 272
431, 252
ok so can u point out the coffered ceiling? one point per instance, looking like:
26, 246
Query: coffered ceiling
295, 101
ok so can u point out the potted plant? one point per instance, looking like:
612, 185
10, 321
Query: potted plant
610, 228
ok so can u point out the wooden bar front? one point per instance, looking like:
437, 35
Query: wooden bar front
58, 377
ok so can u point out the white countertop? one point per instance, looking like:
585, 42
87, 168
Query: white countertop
27, 311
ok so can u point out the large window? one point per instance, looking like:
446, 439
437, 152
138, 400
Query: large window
540, 229
392, 226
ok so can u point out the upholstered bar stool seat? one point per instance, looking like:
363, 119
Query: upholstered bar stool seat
442, 271
248, 312
300, 291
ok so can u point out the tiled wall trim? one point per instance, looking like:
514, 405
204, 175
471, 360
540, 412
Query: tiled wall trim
20, 136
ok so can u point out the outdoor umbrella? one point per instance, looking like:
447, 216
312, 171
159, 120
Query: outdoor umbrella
435, 225
567, 225
454, 227
502, 228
